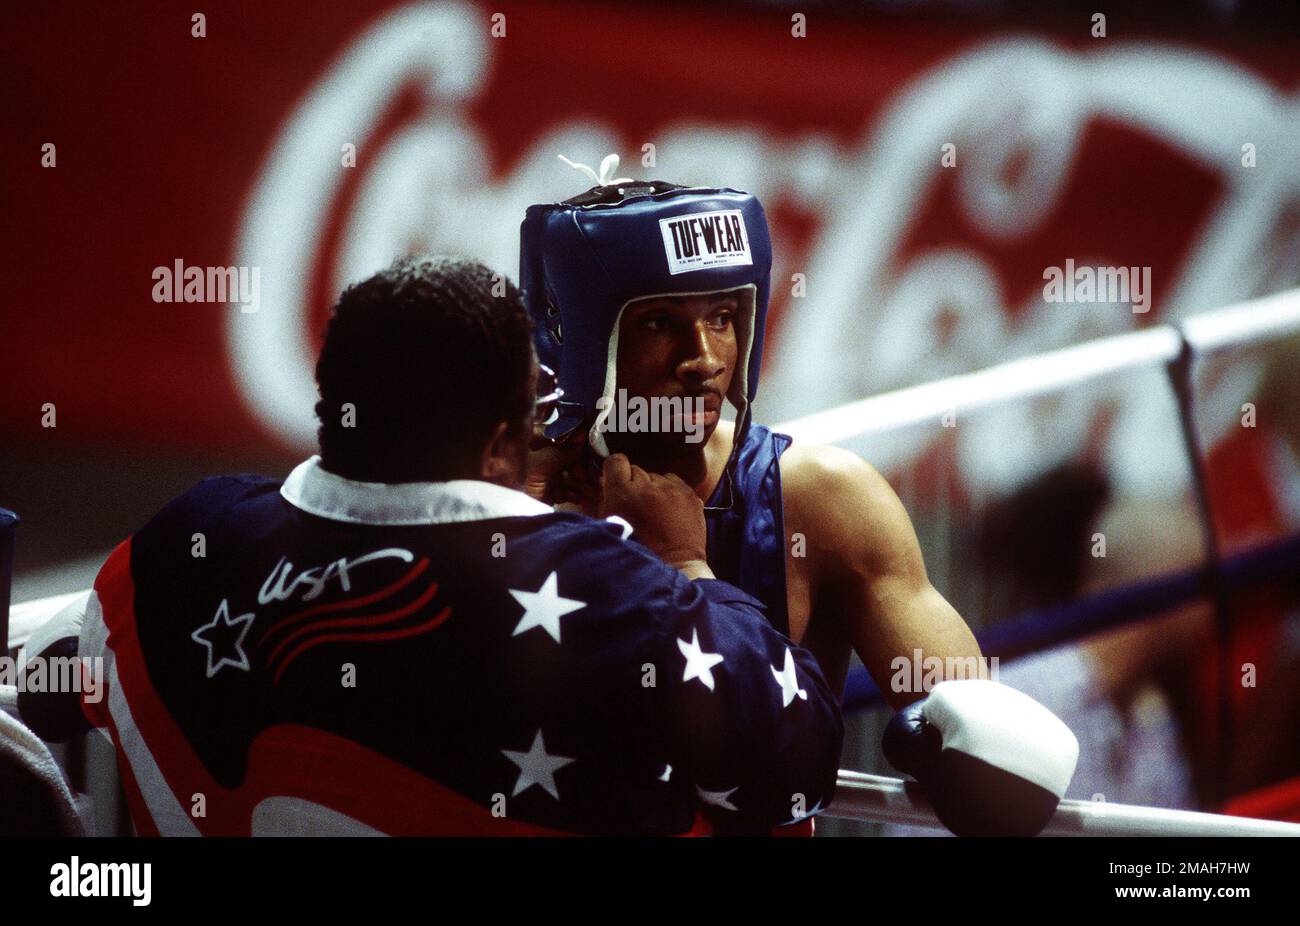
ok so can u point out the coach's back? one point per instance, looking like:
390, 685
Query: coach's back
450, 658
395, 639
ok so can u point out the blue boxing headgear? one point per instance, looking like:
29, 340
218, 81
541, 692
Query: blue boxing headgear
582, 261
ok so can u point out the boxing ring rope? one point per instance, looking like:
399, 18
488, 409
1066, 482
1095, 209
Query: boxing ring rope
1051, 371
1043, 629
877, 799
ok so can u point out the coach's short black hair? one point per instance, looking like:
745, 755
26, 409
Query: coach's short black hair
421, 362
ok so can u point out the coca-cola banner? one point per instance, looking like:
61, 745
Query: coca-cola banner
187, 191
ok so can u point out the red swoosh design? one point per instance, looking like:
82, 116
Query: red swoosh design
348, 604
362, 621
377, 636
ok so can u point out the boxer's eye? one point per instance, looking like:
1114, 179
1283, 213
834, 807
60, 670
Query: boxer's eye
655, 321
722, 320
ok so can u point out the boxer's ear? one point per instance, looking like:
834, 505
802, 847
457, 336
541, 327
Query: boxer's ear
504, 458
491, 462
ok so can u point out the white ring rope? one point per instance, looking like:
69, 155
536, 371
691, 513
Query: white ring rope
1052, 371
877, 799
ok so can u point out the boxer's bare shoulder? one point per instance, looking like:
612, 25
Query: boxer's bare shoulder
850, 518
856, 576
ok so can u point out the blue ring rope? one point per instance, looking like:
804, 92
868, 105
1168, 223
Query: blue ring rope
1044, 628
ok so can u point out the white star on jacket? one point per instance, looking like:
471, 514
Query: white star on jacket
536, 767
544, 608
788, 681
717, 798
223, 619
699, 664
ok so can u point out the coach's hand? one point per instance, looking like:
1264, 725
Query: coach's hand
552, 467
665, 513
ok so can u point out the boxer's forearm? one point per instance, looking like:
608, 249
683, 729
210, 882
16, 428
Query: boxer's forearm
905, 633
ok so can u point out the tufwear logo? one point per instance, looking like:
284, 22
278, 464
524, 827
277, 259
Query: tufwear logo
704, 240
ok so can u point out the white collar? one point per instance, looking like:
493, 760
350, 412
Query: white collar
317, 491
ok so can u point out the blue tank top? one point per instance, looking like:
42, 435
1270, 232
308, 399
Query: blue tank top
746, 541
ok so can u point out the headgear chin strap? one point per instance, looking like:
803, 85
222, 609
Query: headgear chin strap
584, 260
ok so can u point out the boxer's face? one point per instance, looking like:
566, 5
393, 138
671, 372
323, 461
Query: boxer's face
676, 347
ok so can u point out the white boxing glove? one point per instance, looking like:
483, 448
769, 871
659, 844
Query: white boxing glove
992, 760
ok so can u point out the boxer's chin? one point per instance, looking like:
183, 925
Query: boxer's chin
691, 438
693, 429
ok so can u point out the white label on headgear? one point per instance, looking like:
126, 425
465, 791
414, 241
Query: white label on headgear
705, 239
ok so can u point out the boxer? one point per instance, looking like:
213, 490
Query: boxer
646, 290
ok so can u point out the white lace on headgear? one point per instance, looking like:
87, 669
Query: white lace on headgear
607, 168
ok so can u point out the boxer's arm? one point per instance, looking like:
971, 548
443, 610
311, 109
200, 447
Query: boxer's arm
759, 731
867, 565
